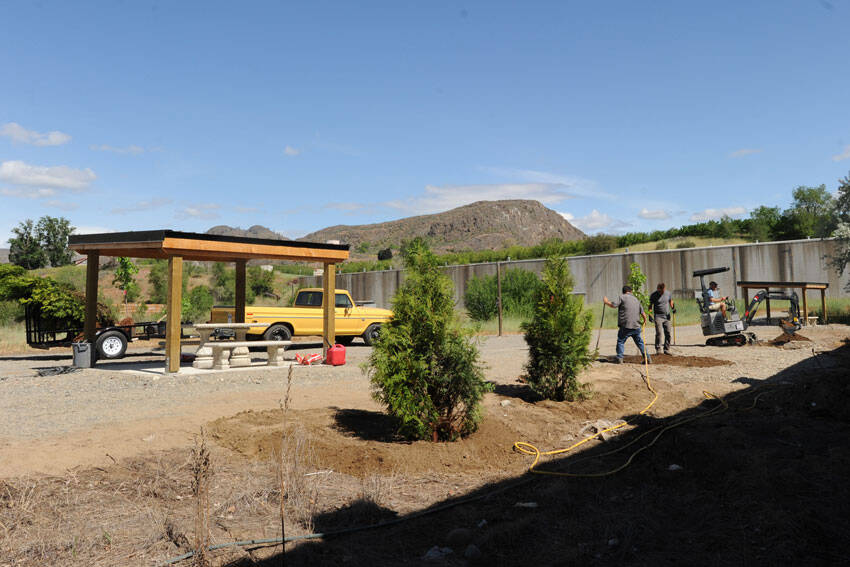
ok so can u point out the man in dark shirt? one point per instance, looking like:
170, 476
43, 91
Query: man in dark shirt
630, 316
661, 303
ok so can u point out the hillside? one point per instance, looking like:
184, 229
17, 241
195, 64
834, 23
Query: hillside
484, 225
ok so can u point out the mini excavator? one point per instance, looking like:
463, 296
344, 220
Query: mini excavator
732, 330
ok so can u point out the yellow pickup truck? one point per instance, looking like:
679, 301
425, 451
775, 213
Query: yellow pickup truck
305, 318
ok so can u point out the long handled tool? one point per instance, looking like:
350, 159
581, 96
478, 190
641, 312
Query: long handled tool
674, 327
599, 334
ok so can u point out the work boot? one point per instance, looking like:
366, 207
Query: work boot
618, 360
668, 353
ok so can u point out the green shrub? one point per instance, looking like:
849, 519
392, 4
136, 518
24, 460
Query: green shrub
519, 288
637, 280
686, 244
260, 281
599, 244
480, 298
424, 368
661, 245
196, 305
558, 337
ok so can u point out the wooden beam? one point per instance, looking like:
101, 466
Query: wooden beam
240, 291
823, 304
805, 317
190, 248
328, 308
175, 300
92, 270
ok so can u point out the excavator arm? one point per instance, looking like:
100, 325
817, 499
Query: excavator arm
790, 325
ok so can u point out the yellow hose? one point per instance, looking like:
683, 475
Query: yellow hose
530, 449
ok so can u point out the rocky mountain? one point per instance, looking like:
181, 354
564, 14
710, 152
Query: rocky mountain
484, 225
256, 231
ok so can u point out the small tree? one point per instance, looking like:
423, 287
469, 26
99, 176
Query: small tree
385, 254
638, 280
424, 369
558, 337
480, 298
260, 281
25, 249
53, 234
125, 278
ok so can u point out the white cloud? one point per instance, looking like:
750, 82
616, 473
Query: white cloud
843, 155
142, 206
438, 199
18, 133
290, 151
595, 222
745, 152
659, 214
201, 211
717, 214
28, 193
576, 186
132, 149
245, 210
62, 205
58, 176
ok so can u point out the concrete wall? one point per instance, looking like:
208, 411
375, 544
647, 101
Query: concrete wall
595, 276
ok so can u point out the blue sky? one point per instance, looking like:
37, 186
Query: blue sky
622, 116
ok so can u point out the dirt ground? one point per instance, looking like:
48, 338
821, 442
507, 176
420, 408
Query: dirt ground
742, 458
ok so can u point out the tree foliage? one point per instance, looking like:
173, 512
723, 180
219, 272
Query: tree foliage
36, 245
637, 280
125, 278
425, 368
60, 305
260, 281
558, 336
25, 248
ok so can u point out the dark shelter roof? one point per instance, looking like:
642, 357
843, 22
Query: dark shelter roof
204, 247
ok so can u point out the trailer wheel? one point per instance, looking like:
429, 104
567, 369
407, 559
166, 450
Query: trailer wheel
111, 344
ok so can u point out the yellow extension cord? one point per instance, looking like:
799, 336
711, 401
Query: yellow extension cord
530, 449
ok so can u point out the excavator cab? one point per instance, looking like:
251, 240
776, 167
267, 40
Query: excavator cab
731, 329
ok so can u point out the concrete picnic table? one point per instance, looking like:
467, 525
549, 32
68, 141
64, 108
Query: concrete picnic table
240, 355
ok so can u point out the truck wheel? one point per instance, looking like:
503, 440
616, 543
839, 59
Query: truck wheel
111, 344
373, 332
277, 333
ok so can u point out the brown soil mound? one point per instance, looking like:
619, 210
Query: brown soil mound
686, 361
785, 338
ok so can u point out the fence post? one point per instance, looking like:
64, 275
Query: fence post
499, 293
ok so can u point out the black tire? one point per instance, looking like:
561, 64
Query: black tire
345, 341
373, 332
111, 345
277, 332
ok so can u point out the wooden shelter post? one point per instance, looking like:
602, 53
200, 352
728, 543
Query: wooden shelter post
92, 270
328, 308
240, 291
175, 300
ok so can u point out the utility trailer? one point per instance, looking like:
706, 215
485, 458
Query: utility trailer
110, 342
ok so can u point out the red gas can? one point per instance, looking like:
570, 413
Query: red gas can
336, 355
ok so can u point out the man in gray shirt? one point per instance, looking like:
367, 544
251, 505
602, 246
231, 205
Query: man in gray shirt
630, 316
661, 303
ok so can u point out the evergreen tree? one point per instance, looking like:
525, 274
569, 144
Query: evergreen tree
25, 247
424, 368
558, 337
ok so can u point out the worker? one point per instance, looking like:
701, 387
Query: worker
715, 301
661, 302
630, 317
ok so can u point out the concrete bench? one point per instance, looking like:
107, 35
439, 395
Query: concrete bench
221, 355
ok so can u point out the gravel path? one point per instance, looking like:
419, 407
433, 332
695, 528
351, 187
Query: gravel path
52, 422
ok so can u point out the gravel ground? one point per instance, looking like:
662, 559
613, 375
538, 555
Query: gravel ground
123, 407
